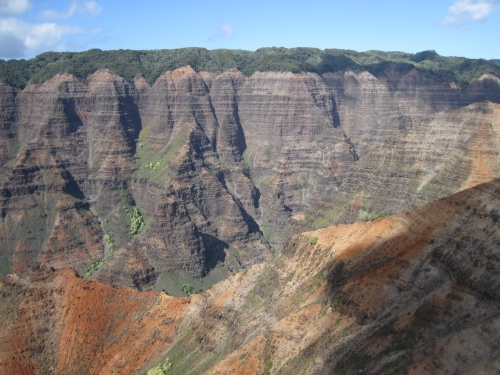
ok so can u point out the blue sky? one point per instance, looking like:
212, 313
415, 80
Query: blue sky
469, 28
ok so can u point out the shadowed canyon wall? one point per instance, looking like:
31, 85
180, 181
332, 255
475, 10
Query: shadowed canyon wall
413, 293
202, 172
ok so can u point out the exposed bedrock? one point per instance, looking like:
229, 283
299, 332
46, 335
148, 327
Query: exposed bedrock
413, 293
373, 108
58, 323
296, 149
447, 152
218, 165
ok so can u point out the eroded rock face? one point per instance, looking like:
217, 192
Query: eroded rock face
50, 166
296, 150
373, 108
414, 293
368, 111
485, 88
445, 153
7, 119
215, 165
56, 323
408, 293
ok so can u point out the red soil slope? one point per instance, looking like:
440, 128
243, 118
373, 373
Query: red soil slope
414, 293
58, 323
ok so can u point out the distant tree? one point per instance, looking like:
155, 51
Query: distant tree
187, 289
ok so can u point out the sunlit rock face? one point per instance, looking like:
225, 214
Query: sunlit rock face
404, 293
221, 167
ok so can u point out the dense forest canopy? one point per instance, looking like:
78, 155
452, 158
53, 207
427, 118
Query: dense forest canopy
150, 64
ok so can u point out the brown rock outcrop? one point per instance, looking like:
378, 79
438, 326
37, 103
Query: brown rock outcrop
216, 165
51, 162
296, 150
368, 110
487, 87
398, 294
8, 137
445, 153
412, 293
373, 108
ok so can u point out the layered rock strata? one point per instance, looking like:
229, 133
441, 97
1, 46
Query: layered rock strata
373, 108
445, 153
215, 165
413, 293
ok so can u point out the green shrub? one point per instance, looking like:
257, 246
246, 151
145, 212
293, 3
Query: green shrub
365, 215
161, 369
313, 240
187, 289
137, 221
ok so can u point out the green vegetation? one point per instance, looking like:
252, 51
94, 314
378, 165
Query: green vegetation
313, 240
162, 368
125, 195
136, 220
151, 64
365, 215
110, 243
266, 285
187, 289
98, 263
152, 166
357, 362
170, 282
187, 355
156, 165
5, 266
269, 230
31, 230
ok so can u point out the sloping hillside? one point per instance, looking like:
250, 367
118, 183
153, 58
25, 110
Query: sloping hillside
411, 293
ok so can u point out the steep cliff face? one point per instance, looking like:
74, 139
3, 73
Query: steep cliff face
41, 181
397, 295
373, 108
110, 114
7, 119
296, 150
445, 153
186, 188
487, 87
368, 110
412, 293
216, 167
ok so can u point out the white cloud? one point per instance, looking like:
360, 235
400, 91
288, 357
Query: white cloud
19, 38
226, 31
463, 12
84, 7
13, 7
34, 38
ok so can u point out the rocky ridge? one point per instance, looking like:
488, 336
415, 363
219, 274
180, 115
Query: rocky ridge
445, 153
413, 293
216, 165
57, 323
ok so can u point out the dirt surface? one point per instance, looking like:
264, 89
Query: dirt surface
62, 324
413, 293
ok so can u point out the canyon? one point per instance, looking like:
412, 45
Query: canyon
413, 293
270, 193
220, 167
